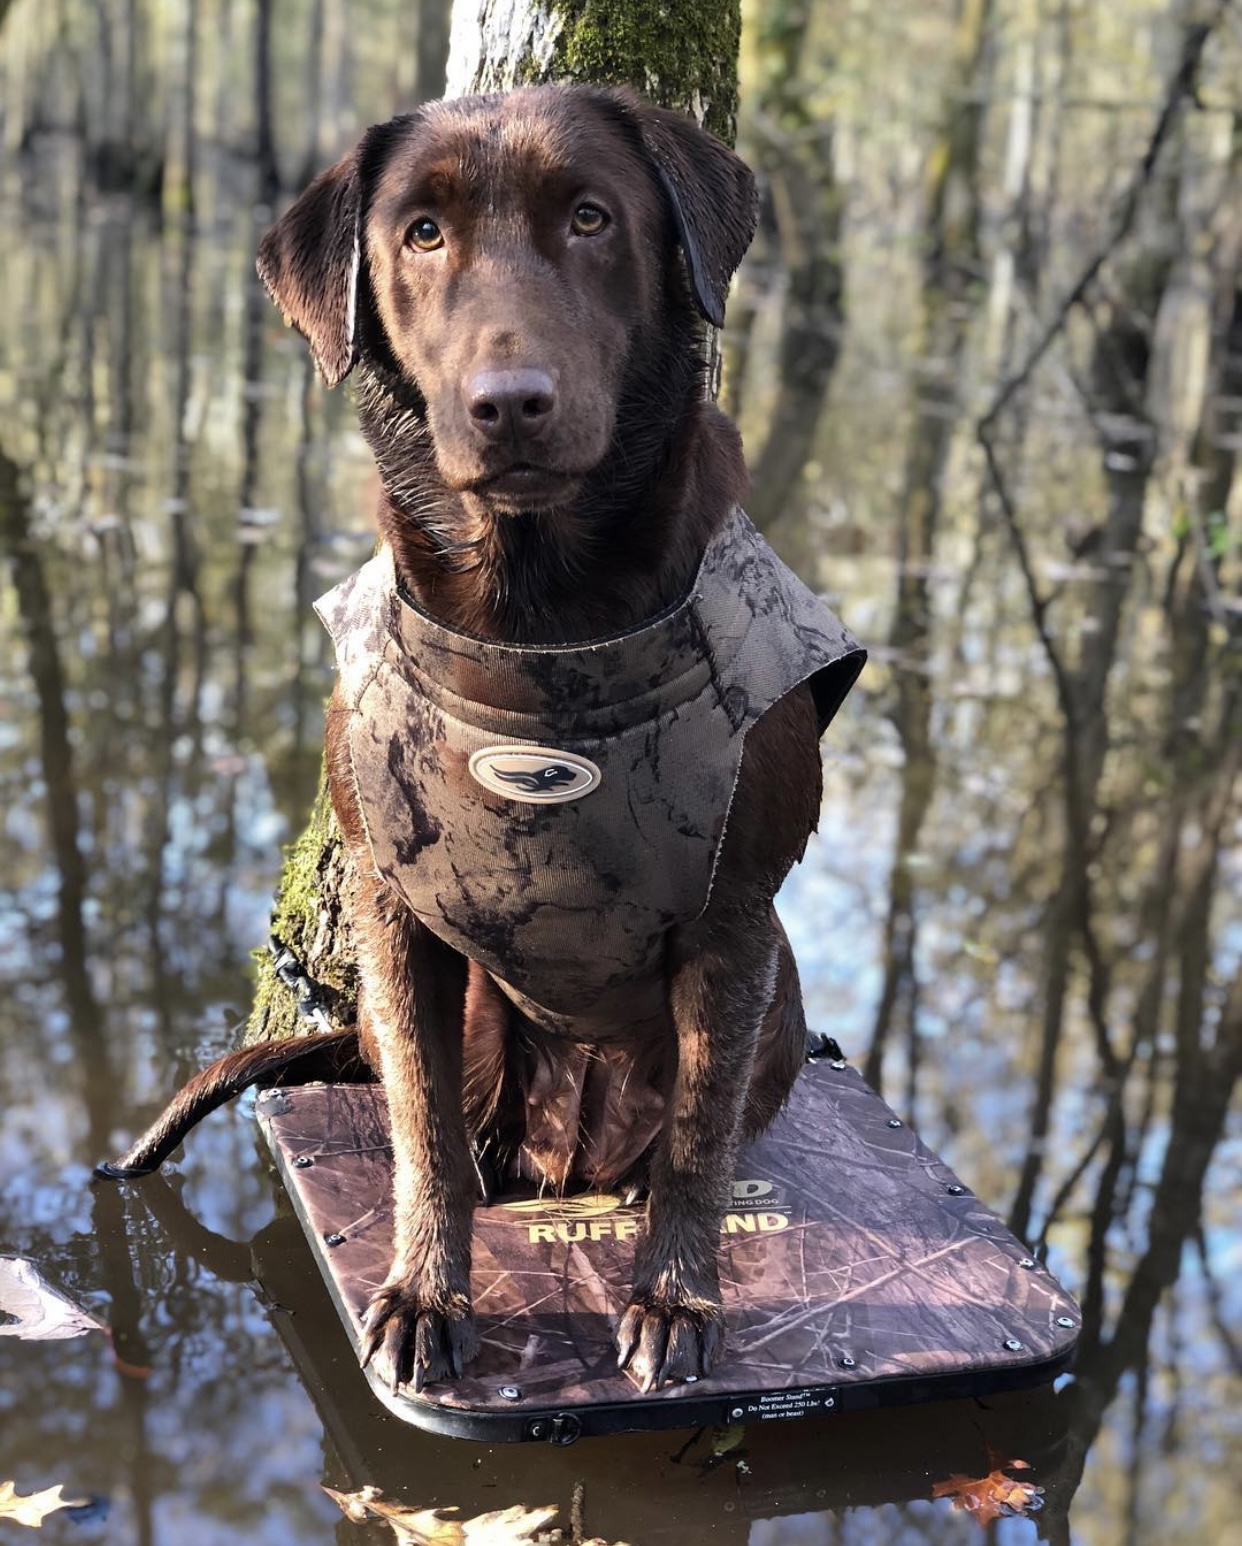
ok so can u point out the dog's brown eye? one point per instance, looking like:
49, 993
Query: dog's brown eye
588, 220
425, 235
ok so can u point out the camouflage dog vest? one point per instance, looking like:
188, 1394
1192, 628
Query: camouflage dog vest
552, 812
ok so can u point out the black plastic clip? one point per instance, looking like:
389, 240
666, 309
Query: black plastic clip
821, 1046
566, 1428
560, 1428
309, 995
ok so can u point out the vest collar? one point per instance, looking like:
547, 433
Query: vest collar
595, 687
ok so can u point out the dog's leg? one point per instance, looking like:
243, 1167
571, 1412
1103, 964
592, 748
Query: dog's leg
727, 972
781, 1053
419, 1326
722, 975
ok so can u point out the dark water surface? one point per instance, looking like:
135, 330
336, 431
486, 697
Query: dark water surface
1022, 915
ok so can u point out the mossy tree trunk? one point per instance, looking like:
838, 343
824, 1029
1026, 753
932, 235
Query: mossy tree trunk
680, 53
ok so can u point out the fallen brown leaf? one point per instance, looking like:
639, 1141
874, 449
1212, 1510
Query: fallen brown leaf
33, 1508
509, 1526
516, 1526
40, 1312
436, 1526
994, 1496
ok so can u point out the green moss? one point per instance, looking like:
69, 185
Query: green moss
307, 916
679, 53
298, 897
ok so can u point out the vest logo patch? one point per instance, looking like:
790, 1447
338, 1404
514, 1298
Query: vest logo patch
534, 775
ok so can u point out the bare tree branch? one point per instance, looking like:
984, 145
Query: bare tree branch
1181, 88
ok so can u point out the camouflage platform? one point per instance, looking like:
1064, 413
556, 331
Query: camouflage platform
857, 1271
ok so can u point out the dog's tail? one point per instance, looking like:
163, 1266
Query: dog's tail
335, 1057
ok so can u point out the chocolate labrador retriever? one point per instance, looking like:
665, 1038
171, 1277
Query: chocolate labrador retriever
573, 746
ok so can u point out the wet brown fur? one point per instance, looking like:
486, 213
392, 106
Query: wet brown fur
628, 485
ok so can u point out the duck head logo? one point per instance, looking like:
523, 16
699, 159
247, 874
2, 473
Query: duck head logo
534, 774
551, 776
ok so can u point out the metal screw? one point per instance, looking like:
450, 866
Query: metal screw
510, 1393
1027, 1261
1067, 1321
846, 1361
838, 1063
955, 1191
302, 1161
538, 1430
1012, 1345
894, 1121
830, 1402
737, 1412
334, 1239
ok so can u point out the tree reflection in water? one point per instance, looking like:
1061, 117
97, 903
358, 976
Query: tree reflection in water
1022, 915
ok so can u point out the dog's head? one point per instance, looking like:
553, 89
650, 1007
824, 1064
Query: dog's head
508, 257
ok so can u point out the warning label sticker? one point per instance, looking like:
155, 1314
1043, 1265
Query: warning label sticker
782, 1403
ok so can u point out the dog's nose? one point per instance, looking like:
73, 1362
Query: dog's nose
511, 404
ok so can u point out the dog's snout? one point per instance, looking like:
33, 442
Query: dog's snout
511, 404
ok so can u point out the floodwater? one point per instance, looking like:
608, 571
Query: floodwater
1022, 916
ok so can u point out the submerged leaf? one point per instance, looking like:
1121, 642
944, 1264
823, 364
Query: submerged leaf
509, 1526
435, 1526
419, 1527
994, 1496
725, 1439
40, 1312
34, 1507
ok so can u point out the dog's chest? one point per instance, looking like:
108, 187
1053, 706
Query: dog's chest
552, 813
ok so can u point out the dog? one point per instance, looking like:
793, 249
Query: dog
573, 748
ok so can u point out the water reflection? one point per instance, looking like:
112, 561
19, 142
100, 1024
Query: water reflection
1022, 914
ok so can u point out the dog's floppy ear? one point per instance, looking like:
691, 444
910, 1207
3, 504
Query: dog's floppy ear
309, 262
713, 197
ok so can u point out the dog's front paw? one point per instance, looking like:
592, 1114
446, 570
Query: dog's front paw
659, 1342
416, 1339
